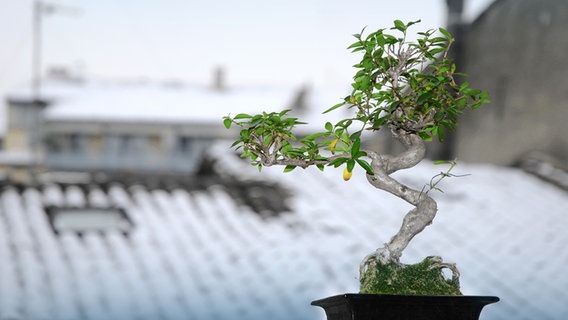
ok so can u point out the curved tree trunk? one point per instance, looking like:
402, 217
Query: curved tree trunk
425, 207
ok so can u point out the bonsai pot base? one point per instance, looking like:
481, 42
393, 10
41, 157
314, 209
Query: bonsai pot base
403, 307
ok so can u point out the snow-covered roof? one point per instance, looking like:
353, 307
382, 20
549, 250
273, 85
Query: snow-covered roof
199, 254
155, 102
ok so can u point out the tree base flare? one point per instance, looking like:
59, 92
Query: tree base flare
423, 278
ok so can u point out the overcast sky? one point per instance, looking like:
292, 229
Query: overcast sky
256, 41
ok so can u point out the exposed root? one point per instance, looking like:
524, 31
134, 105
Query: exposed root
439, 264
381, 255
367, 263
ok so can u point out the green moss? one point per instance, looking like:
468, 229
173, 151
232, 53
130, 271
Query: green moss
423, 278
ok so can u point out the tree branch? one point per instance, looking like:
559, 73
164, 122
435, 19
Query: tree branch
271, 160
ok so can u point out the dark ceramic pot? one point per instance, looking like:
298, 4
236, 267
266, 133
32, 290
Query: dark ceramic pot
403, 307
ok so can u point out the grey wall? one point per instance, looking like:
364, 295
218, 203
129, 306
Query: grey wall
517, 51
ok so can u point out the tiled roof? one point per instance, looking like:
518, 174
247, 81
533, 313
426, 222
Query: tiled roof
201, 253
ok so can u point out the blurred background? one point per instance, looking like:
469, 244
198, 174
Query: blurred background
290, 42
120, 197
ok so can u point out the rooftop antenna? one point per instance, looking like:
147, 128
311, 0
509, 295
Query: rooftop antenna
41, 9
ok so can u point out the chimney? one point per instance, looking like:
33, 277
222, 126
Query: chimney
219, 79
300, 102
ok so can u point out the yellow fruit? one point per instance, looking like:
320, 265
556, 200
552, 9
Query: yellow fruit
347, 174
332, 145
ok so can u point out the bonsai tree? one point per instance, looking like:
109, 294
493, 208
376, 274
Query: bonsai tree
406, 88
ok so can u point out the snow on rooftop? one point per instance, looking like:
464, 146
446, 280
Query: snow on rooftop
142, 102
201, 255
152, 103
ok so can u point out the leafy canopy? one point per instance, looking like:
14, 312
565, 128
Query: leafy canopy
407, 87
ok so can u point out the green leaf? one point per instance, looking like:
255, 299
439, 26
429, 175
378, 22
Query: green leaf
461, 102
363, 82
350, 164
440, 133
355, 147
360, 154
267, 140
425, 136
390, 39
356, 135
344, 123
445, 33
227, 122
358, 35
365, 165
424, 97
334, 107
254, 120
435, 51
439, 39
442, 162
337, 162
289, 168
313, 136
242, 116
414, 22
471, 92
399, 25
245, 134
357, 44
379, 122
328, 126
380, 40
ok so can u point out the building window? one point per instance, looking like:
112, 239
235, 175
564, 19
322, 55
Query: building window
88, 219
185, 145
126, 145
53, 143
66, 142
76, 142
